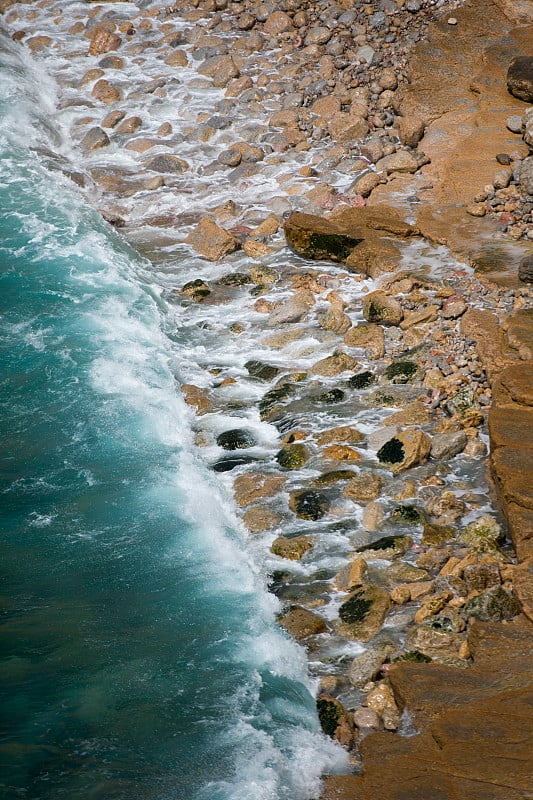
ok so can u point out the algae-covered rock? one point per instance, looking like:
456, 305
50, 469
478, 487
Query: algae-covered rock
387, 547
405, 450
362, 614
483, 534
331, 396
369, 336
260, 370
332, 477
236, 439
317, 238
335, 720
401, 371
196, 290
379, 307
362, 380
293, 549
300, 623
493, 605
272, 401
407, 515
293, 456
434, 535
308, 504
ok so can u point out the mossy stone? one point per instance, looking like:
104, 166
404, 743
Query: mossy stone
331, 396
196, 290
401, 371
260, 370
362, 380
413, 656
392, 452
236, 439
334, 476
235, 279
293, 456
329, 713
355, 608
308, 504
407, 515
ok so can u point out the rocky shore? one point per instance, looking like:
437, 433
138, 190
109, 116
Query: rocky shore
338, 200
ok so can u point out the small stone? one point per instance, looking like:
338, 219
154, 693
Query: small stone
514, 123
105, 92
341, 452
381, 308
366, 718
293, 456
447, 445
334, 365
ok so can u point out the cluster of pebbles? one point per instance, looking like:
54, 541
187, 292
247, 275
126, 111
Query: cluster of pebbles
346, 414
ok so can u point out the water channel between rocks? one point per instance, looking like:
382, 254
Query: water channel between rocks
267, 382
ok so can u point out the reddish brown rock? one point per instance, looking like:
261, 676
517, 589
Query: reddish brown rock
212, 241
103, 41
301, 623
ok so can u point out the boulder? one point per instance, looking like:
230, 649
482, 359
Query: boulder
379, 307
318, 238
363, 613
258, 520
405, 450
222, 69
308, 504
365, 184
253, 486
341, 452
371, 337
196, 290
94, 139
400, 372
292, 310
293, 549
334, 319
387, 547
364, 487
335, 720
492, 605
520, 78
448, 445
292, 456
362, 380
300, 623
212, 241
434, 642
197, 397
351, 575
103, 41
411, 130
169, 163
236, 439
483, 534
347, 128
333, 365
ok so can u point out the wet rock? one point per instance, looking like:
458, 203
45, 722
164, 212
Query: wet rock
167, 163
362, 380
447, 445
210, 240
254, 486
400, 572
453, 307
196, 290
105, 92
293, 549
333, 476
335, 720
371, 337
431, 606
520, 78
405, 450
387, 547
103, 41
335, 320
479, 577
415, 413
258, 520
272, 401
317, 238
446, 507
374, 257
300, 623
364, 487
381, 701
437, 534
373, 516
493, 605
525, 269
333, 365
363, 613
277, 22
341, 452
434, 642
351, 575
308, 504
293, 456
94, 139
345, 434
483, 534
407, 515
231, 462
260, 370
401, 372
381, 308
112, 119
197, 397
236, 439
222, 69
291, 310
367, 665
401, 161
330, 397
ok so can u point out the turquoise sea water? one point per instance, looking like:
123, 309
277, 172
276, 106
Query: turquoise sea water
139, 654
